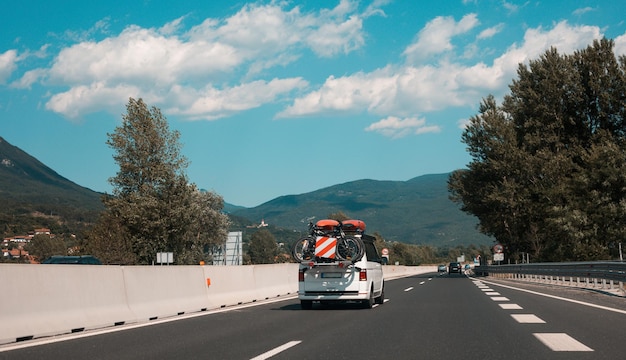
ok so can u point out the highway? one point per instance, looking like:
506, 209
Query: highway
424, 317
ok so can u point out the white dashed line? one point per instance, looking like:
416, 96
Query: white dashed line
510, 306
527, 319
561, 342
408, 289
555, 341
277, 350
492, 293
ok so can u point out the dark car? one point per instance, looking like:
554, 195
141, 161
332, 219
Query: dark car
454, 267
82, 260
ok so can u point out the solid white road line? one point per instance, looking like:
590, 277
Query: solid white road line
269, 354
561, 298
561, 342
527, 319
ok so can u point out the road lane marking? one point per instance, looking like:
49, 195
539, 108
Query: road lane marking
408, 289
561, 342
486, 289
423, 282
277, 350
527, 319
561, 298
499, 298
492, 293
510, 306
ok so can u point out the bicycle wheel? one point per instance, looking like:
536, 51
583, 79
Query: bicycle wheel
304, 249
349, 248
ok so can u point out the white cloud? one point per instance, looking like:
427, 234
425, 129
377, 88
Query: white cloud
141, 56
490, 32
8, 64
29, 78
84, 99
620, 45
169, 60
463, 123
395, 127
581, 11
407, 90
211, 103
435, 37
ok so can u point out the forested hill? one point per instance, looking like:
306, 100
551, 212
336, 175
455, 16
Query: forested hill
416, 211
32, 194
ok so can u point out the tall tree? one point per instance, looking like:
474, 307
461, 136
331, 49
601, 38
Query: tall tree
547, 171
262, 248
158, 209
43, 246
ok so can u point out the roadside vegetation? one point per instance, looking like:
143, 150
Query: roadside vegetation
548, 170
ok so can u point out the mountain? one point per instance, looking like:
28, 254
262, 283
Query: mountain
417, 211
32, 193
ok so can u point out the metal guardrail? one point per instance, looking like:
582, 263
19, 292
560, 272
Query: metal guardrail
606, 270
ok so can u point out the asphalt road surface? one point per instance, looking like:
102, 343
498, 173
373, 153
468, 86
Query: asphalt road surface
424, 317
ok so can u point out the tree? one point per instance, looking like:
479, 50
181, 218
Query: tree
547, 170
44, 246
152, 201
109, 241
262, 248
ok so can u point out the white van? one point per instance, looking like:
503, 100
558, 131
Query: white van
343, 281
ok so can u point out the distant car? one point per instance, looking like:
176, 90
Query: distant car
454, 267
467, 267
442, 268
81, 260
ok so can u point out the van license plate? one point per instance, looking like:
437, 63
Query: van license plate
331, 275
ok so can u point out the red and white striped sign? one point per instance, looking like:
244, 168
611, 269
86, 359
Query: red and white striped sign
325, 247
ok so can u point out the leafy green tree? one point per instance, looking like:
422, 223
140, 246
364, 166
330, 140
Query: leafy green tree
152, 200
109, 241
547, 171
262, 248
43, 246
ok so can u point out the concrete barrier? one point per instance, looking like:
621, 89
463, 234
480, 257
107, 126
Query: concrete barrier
161, 291
230, 285
45, 300
391, 272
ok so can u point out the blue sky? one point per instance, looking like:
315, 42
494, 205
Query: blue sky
275, 97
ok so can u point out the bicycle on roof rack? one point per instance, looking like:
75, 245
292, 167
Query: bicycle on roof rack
327, 242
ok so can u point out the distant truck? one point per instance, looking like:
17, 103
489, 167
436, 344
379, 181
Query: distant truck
332, 279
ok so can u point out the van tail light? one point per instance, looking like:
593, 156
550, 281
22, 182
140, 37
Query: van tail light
301, 275
363, 275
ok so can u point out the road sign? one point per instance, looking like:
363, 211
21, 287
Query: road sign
498, 257
498, 248
385, 251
